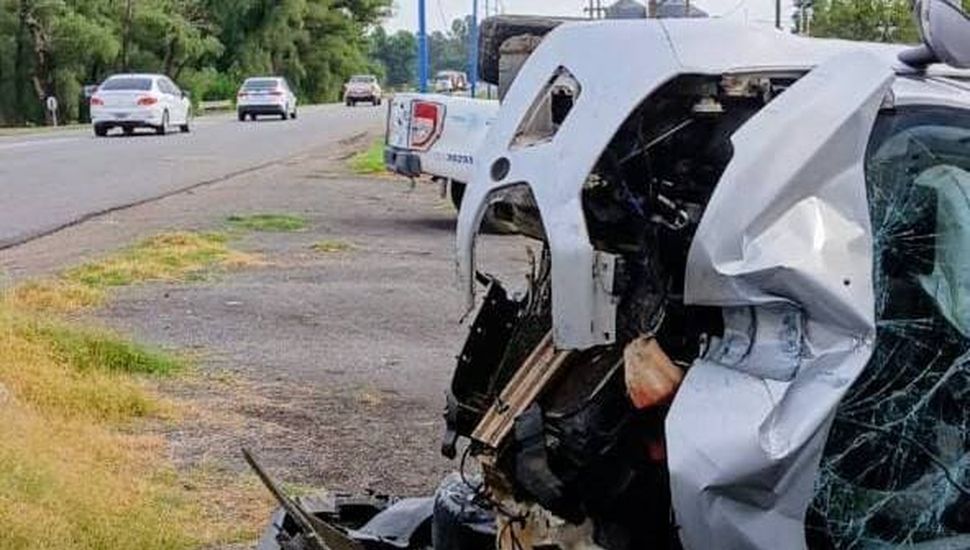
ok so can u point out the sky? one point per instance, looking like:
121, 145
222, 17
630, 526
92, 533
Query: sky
441, 12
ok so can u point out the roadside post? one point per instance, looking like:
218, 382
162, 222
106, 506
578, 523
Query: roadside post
52, 108
473, 50
422, 48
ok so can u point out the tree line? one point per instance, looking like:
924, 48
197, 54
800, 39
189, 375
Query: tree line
397, 54
868, 20
56, 47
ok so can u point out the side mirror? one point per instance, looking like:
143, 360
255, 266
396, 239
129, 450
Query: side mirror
945, 29
186, 94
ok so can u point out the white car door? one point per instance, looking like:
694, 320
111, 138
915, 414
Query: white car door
179, 103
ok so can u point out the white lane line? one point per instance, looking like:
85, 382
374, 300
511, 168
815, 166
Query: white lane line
36, 142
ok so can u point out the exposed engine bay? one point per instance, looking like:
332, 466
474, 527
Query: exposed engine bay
583, 449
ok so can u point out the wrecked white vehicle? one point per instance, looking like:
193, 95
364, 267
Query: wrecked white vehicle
750, 323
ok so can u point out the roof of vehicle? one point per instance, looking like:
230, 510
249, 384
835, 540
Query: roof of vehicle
264, 78
136, 75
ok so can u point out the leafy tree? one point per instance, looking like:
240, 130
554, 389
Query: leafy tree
396, 56
449, 51
869, 20
57, 46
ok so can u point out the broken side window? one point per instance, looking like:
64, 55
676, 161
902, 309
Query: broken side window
549, 110
896, 467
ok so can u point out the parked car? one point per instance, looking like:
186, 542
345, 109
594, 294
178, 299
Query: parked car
266, 95
362, 88
132, 101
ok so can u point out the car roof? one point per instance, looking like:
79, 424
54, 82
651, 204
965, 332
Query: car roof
264, 78
137, 75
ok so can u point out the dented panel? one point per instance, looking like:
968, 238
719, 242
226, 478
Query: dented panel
787, 227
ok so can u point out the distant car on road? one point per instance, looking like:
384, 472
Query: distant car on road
446, 82
266, 95
363, 87
131, 101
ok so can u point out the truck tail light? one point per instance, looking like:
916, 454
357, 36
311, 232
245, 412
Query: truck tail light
427, 119
97, 101
147, 101
276, 93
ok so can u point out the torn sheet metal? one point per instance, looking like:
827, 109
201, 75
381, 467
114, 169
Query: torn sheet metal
653, 53
787, 225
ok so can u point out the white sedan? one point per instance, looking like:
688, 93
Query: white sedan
130, 101
269, 95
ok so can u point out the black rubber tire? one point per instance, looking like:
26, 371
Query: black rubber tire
293, 114
185, 128
252, 117
457, 194
496, 30
162, 128
128, 131
242, 116
100, 130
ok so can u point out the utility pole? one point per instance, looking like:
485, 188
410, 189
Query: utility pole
126, 35
488, 88
595, 9
473, 49
422, 47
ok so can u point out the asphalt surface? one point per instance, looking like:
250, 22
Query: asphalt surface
54, 180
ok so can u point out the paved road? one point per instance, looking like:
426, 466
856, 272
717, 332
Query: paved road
53, 180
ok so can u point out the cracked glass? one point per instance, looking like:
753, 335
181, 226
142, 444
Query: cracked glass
896, 467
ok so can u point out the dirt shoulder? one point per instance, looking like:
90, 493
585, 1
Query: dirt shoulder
330, 356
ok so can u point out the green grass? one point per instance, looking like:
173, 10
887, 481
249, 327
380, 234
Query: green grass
271, 223
331, 247
175, 256
77, 469
370, 161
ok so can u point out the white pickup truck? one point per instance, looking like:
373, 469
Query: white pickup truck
437, 135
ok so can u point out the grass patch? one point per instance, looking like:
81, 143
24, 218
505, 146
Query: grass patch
176, 256
75, 470
331, 247
370, 161
166, 257
271, 223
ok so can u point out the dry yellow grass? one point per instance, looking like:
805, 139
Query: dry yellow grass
175, 256
75, 473
331, 247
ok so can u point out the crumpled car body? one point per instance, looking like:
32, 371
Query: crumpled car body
814, 194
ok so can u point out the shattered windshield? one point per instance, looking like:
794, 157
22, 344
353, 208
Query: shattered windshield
896, 465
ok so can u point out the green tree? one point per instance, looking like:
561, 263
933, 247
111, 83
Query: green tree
57, 46
868, 20
396, 56
449, 50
